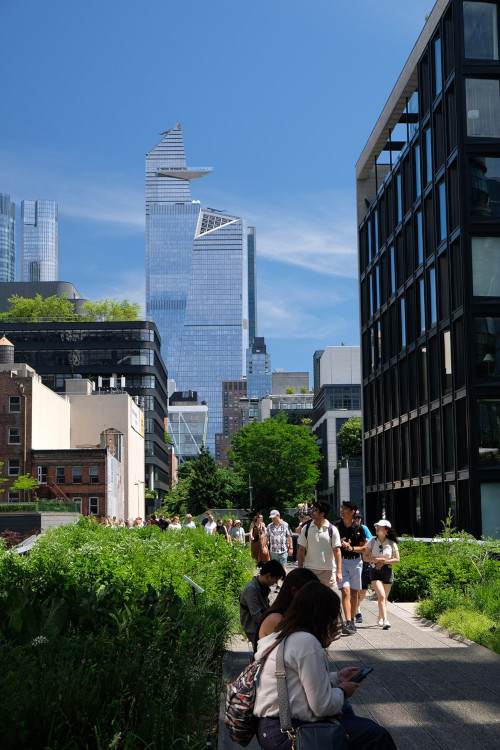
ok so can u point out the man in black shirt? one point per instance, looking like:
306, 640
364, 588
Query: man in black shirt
353, 541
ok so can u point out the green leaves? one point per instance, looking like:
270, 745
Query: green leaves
280, 458
349, 436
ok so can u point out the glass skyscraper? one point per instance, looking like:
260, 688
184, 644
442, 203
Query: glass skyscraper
39, 224
259, 376
196, 279
7, 238
252, 284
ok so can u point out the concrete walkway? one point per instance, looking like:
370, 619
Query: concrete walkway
432, 692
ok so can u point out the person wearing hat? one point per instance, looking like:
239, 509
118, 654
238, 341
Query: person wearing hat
237, 532
382, 552
279, 538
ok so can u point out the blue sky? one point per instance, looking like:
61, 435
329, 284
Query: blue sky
278, 96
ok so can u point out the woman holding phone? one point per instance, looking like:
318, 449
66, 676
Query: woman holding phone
382, 552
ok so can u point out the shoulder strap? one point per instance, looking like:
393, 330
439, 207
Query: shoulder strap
306, 527
283, 704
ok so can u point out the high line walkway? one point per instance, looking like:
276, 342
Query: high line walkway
431, 691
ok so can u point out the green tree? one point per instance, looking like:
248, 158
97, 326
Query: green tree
110, 309
204, 484
2, 479
26, 483
280, 458
349, 436
37, 308
289, 390
303, 389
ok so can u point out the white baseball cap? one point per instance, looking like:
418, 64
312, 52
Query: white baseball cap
274, 513
383, 522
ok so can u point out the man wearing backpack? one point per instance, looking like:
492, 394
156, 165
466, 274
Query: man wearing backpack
319, 546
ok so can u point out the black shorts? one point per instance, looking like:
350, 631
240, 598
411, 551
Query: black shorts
385, 574
365, 575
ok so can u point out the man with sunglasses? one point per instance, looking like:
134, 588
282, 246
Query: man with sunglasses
353, 541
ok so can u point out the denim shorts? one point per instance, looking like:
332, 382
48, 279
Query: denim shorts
281, 557
351, 573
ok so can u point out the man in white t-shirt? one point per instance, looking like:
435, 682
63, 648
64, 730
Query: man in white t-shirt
210, 525
319, 546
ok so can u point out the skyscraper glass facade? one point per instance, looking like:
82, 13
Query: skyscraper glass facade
259, 376
196, 279
7, 238
39, 224
252, 284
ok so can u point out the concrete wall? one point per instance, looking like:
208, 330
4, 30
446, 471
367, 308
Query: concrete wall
52, 520
50, 418
90, 416
340, 365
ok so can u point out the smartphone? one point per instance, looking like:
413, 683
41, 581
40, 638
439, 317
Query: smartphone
360, 676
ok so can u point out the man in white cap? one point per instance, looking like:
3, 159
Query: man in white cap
279, 538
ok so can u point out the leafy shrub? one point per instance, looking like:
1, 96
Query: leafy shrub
18, 507
474, 625
101, 640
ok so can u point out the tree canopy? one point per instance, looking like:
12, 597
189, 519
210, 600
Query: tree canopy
60, 309
349, 436
281, 459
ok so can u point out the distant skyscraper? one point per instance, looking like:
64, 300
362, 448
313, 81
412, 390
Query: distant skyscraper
7, 238
39, 240
259, 376
252, 284
196, 279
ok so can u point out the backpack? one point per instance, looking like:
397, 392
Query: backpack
239, 719
308, 523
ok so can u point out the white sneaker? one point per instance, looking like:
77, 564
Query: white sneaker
380, 622
386, 625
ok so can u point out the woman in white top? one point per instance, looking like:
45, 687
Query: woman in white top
210, 525
382, 552
175, 525
310, 624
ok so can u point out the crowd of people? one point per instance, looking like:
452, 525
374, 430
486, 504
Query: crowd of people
335, 565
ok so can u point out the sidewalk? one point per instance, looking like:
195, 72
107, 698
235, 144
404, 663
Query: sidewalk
432, 692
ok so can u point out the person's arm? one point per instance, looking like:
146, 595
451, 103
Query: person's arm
290, 544
322, 698
395, 555
338, 563
255, 605
301, 556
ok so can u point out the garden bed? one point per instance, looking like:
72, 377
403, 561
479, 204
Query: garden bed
103, 644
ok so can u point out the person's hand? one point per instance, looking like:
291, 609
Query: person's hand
339, 578
349, 687
347, 674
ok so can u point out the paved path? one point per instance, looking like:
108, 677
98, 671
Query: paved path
431, 691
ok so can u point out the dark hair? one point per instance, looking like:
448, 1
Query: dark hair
392, 534
315, 609
296, 578
256, 516
322, 506
350, 505
273, 568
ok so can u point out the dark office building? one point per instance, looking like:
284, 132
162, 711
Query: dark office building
429, 260
104, 353
232, 391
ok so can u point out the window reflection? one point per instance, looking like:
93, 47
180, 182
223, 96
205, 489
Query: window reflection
480, 31
487, 347
484, 185
489, 430
486, 266
483, 107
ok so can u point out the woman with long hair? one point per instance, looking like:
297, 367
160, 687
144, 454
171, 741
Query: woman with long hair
292, 583
258, 539
220, 528
309, 625
382, 552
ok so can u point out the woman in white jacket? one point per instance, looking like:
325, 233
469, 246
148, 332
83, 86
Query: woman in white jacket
310, 624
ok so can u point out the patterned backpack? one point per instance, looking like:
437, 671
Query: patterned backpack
241, 724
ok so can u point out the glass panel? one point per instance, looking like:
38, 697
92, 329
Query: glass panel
375, 231
424, 383
483, 107
393, 271
486, 266
399, 198
432, 295
438, 73
487, 347
443, 232
447, 360
480, 31
490, 509
484, 185
420, 239
489, 430
403, 323
428, 156
421, 289
418, 185
14, 403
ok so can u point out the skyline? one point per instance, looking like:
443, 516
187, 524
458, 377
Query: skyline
261, 105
